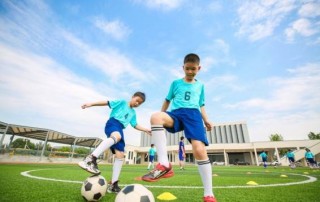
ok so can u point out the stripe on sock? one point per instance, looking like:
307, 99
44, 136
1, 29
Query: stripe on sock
156, 128
203, 162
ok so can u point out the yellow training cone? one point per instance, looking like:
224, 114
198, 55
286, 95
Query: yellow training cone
283, 176
252, 183
305, 173
166, 196
215, 175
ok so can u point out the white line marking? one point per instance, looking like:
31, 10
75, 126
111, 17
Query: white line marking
309, 180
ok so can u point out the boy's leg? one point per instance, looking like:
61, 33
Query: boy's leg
104, 145
90, 162
204, 166
164, 168
116, 170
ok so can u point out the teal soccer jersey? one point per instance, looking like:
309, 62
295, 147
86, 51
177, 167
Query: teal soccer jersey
186, 95
123, 113
152, 151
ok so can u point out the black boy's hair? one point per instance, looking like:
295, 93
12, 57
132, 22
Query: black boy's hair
141, 95
192, 57
181, 138
152, 145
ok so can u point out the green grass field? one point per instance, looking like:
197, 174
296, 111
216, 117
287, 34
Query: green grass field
16, 187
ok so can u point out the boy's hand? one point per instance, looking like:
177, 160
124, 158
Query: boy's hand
208, 125
85, 106
148, 132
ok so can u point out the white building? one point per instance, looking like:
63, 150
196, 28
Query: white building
229, 143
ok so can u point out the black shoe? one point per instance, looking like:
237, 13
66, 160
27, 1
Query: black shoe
113, 187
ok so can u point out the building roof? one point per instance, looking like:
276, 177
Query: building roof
50, 135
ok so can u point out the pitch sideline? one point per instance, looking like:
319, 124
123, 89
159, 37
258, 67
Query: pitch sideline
309, 180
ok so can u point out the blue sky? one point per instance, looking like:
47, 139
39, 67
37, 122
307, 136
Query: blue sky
260, 61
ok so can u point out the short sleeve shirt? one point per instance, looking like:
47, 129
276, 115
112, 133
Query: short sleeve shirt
152, 151
186, 95
123, 113
181, 145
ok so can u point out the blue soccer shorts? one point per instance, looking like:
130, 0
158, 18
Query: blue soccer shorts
113, 125
181, 158
151, 158
189, 120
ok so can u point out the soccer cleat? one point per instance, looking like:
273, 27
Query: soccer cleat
113, 187
209, 199
90, 164
159, 172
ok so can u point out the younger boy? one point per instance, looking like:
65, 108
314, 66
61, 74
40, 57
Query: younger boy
121, 115
186, 96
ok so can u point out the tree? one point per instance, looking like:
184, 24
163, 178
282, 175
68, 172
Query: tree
278, 137
275, 137
23, 143
82, 150
313, 136
64, 149
40, 145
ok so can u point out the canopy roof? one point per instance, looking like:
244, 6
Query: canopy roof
50, 135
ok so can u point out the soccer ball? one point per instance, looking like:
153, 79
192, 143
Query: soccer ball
136, 193
94, 188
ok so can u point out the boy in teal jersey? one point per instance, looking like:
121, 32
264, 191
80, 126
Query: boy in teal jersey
151, 153
186, 96
264, 157
121, 116
290, 156
310, 158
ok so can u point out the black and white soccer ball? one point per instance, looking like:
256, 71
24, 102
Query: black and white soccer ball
94, 188
136, 193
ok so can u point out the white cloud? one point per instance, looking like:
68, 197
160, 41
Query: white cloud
301, 91
311, 9
301, 27
161, 4
44, 92
258, 19
115, 29
215, 54
290, 108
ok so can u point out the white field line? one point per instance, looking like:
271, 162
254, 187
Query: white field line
309, 180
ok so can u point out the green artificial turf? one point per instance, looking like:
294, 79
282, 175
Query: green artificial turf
184, 185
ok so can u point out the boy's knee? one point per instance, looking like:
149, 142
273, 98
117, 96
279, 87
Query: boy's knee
156, 118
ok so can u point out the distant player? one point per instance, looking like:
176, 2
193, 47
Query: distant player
264, 158
310, 158
151, 154
182, 153
290, 156
122, 114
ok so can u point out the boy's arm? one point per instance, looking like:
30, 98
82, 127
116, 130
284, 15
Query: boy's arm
101, 103
205, 119
165, 105
143, 129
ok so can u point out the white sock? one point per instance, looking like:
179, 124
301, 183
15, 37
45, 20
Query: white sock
160, 140
103, 146
205, 170
149, 165
117, 165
